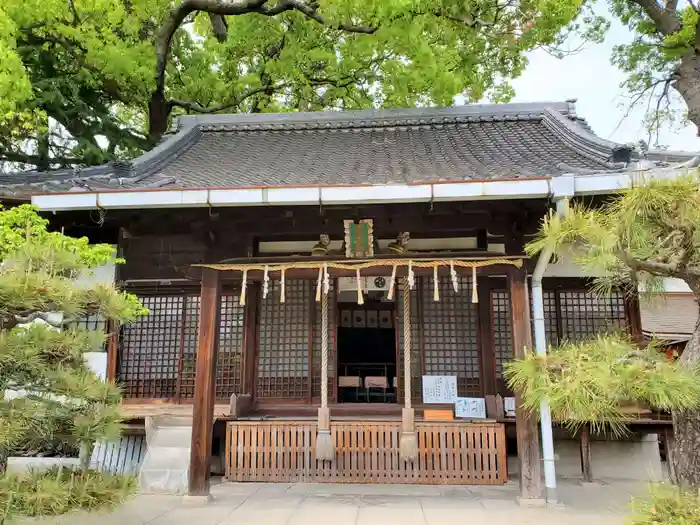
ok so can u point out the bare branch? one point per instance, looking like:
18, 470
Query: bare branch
30, 318
197, 108
666, 20
219, 26
652, 267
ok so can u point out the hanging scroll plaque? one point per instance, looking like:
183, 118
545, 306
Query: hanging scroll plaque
359, 238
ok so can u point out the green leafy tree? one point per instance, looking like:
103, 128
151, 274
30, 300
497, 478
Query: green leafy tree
51, 399
648, 233
88, 81
662, 62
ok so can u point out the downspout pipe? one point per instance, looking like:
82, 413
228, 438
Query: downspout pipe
550, 478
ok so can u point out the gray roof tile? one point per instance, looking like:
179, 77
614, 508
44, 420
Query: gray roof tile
475, 142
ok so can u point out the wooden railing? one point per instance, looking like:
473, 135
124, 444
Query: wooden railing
456, 453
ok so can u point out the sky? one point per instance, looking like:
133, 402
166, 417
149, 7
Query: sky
590, 78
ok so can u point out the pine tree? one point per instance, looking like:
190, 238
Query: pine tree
52, 400
647, 233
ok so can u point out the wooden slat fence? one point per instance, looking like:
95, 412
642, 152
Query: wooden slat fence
453, 453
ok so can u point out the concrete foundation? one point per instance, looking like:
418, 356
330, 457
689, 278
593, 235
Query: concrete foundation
635, 458
165, 468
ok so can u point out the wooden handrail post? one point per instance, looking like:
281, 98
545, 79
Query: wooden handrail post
204, 388
525, 423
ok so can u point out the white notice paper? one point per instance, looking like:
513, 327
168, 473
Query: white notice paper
470, 407
509, 406
440, 389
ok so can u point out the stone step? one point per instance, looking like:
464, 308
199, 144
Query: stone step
165, 468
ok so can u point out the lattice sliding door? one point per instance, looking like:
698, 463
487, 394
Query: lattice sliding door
283, 354
569, 314
149, 356
450, 331
316, 354
157, 354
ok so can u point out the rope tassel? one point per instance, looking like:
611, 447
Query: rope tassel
475, 295
360, 297
244, 284
392, 282
325, 448
319, 282
282, 298
266, 281
408, 443
453, 276
436, 284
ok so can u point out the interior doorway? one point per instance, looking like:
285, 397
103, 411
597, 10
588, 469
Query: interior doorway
367, 353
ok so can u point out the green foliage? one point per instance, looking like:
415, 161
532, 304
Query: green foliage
652, 57
89, 65
647, 233
666, 505
55, 492
591, 381
56, 403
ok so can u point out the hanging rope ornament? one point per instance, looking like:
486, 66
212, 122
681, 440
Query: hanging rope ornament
392, 282
436, 284
408, 442
411, 277
244, 284
453, 276
266, 282
360, 297
475, 295
325, 448
319, 282
282, 286
326, 280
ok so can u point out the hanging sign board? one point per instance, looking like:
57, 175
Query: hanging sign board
470, 407
440, 389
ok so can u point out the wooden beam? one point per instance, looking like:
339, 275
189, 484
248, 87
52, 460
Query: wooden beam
250, 337
204, 388
586, 455
485, 334
525, 422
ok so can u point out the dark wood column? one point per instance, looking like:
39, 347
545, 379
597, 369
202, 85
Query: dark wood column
525, 424
205, 377
250, 338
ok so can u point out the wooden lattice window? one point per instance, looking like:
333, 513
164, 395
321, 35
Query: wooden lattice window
502, 333
149, 356
228, 364
157, 354
569, 314
450, 328
283, 354
583, 314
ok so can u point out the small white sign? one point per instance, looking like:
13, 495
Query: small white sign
509, 406
470, 407
440, 389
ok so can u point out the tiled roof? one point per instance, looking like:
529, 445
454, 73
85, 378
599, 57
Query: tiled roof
670, 317
473, 142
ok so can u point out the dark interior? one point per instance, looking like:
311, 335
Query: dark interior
366, 360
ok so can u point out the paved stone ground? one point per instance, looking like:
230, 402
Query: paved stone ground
315, 504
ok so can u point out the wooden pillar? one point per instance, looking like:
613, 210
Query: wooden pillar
112, 329
205, 377
486, 348
525, 423
250, 338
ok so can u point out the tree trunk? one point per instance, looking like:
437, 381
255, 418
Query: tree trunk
687, 83
685, 456
158, 112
